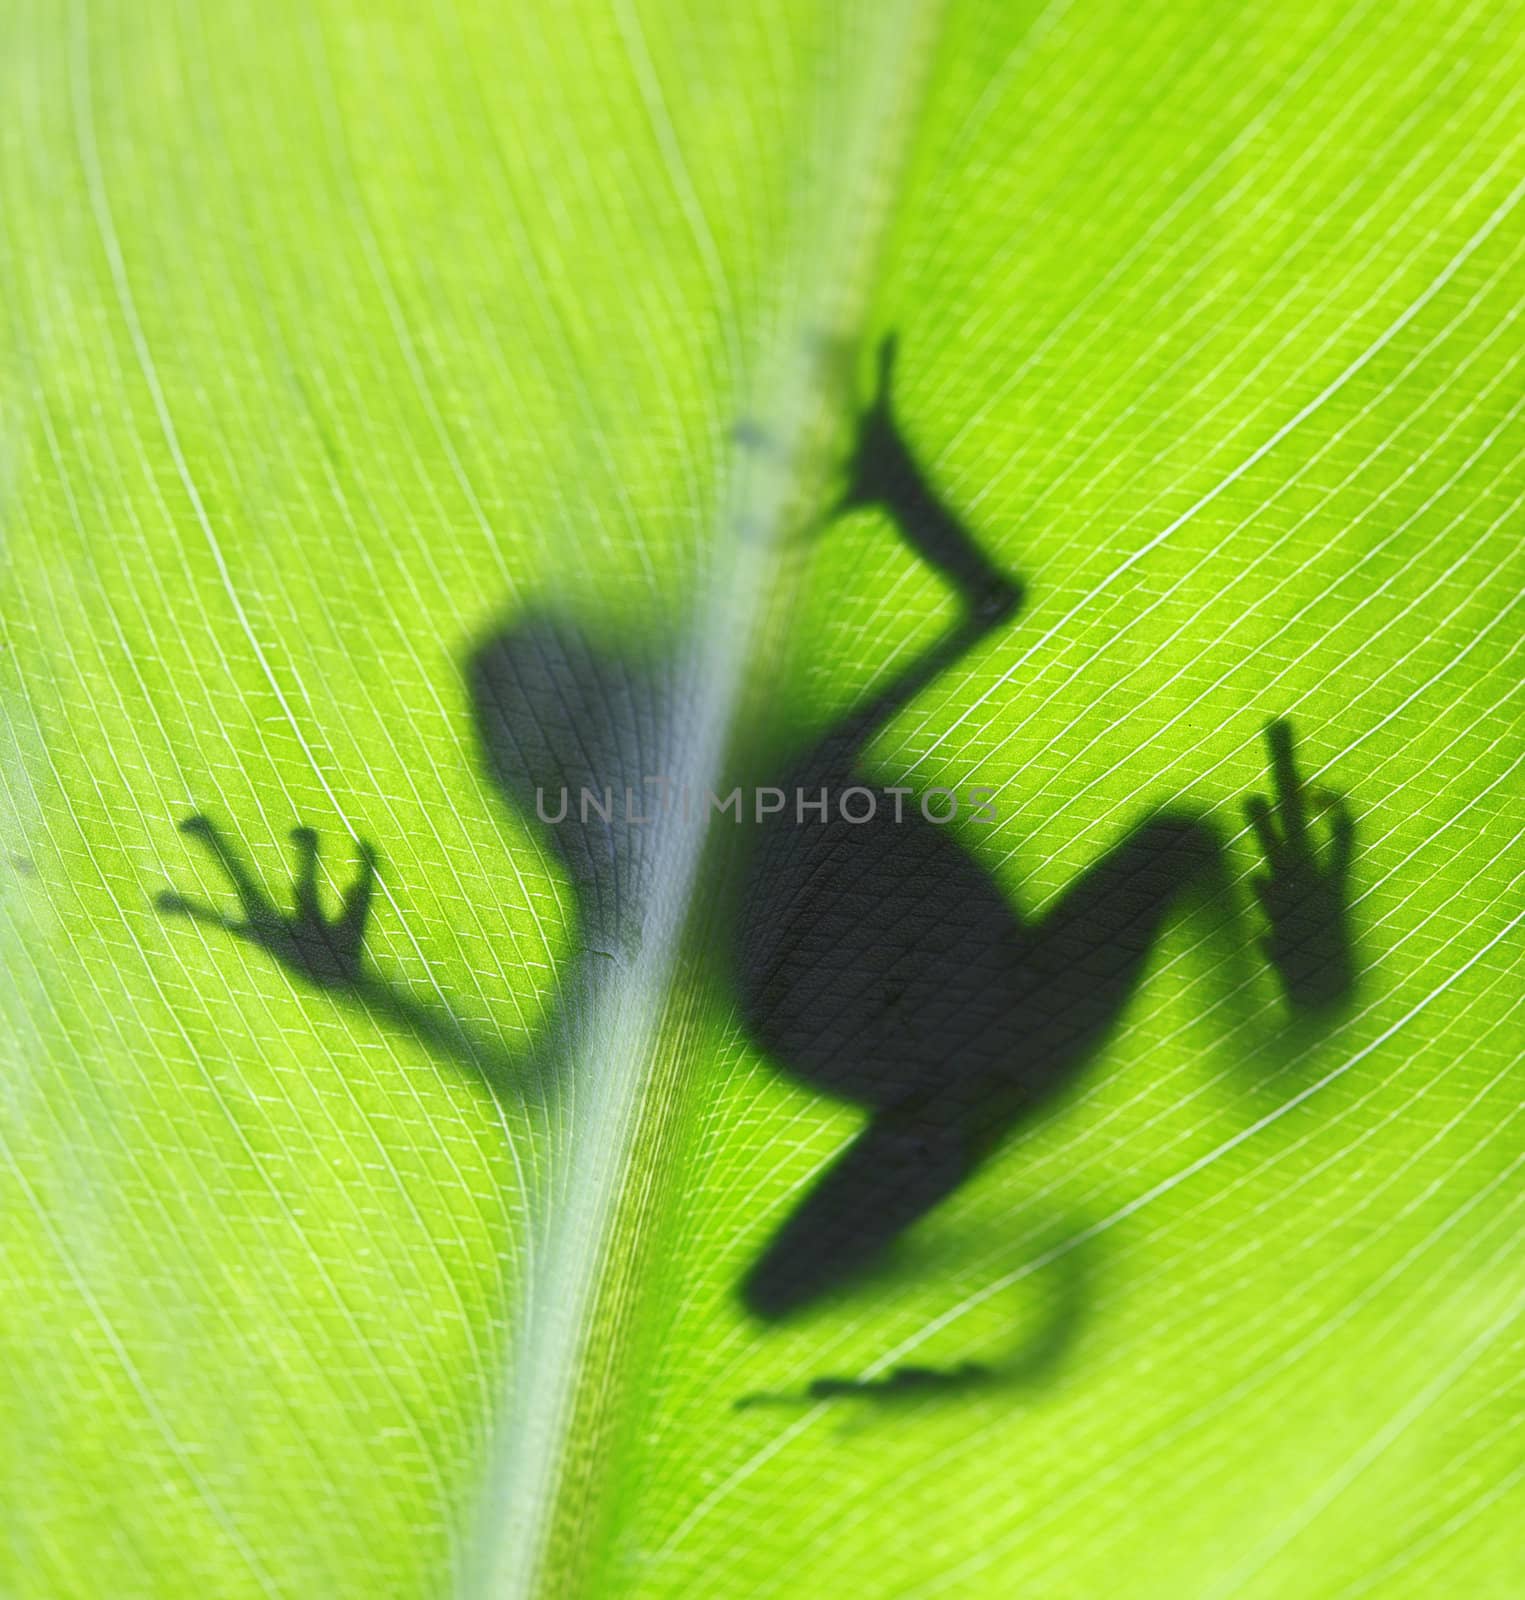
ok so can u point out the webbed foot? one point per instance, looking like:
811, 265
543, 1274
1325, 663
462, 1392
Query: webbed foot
324, 950
1303, 891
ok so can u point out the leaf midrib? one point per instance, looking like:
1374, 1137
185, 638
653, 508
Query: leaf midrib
557, 1391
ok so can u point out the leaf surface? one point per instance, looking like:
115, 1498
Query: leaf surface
335, 334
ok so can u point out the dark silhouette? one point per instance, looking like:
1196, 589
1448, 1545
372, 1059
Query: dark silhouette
880, 963
324, 950
1304, 898
898, 1384
1041, 1352
328, 952
875, 960
563, 722
553, 711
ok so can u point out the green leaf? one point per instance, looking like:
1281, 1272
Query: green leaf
338, 335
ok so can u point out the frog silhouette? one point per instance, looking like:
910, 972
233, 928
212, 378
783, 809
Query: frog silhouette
871, 956
880, 963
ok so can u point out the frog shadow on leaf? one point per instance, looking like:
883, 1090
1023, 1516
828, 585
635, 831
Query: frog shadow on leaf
876, 960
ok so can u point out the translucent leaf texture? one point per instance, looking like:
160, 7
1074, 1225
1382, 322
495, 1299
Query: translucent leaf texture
337, 332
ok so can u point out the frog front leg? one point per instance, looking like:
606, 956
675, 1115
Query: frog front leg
322, 950
1304, 888
329, 951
